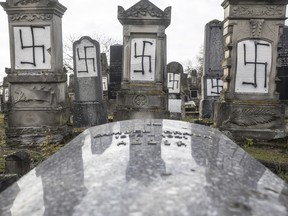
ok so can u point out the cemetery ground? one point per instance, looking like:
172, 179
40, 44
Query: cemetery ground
273, 154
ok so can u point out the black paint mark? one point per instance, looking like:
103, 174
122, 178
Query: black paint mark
33, 46
217, 86
256, 63
173, 80
86, 59
142, 57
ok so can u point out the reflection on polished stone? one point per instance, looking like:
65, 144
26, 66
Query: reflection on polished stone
148, 167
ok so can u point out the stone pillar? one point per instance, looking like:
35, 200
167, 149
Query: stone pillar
105, 75
174, 85
212, 84
115, 76
38, 107
143, 92
249, 104
89, 107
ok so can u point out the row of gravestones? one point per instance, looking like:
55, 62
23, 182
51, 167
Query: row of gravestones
38, 96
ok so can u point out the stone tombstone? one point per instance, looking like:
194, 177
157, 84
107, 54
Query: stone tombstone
176, 93
249, 105
17, 163
143, 92
105, 75
148, 167
89, 107
115, 74
212, 84
282, 85
38, 94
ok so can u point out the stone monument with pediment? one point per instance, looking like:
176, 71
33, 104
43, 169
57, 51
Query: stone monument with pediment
89, 107
144, 92
249, 103
38, 106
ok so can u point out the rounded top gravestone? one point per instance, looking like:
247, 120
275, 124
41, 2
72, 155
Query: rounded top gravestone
148, 167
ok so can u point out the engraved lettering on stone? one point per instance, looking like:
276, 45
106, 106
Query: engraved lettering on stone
256, 27
32, 47
143, 59
40, 94
254, 11
140, 100
253, 66
30, 17
173, 83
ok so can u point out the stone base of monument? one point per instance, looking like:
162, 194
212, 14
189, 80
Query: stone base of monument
141, 104
89, 114
261, 121
32, 136
206, 109
124, 114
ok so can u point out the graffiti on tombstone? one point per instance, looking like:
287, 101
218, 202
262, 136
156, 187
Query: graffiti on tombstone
173, 83
86, 59
214, 87
143, 51
253, 66
32, 47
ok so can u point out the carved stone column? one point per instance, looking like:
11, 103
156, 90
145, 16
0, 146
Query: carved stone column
249, 104
38, 108
143, 91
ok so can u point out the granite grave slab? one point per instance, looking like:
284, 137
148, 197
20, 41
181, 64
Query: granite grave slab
148, 167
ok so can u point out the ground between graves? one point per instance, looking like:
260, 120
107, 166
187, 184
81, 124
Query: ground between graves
273, 154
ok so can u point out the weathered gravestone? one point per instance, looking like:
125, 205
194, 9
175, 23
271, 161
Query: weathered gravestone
174, 85
148, 167
115, 73
38, 99
249, 105
282, 70
212, 84
89, 107
143, 92
17, 163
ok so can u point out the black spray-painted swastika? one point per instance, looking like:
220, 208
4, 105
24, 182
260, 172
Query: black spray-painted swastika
86, 59
256, 63
217, 86
142, 57
33, 46
175, 82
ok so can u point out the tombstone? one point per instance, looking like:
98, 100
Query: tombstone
148, 167
175, 89
105, 75
212, 84
89, 106
17, 163
282, 70
38, 93
115, 75
249, 104
143, 92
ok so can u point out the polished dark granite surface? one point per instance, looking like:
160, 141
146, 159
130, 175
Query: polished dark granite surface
148, 167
